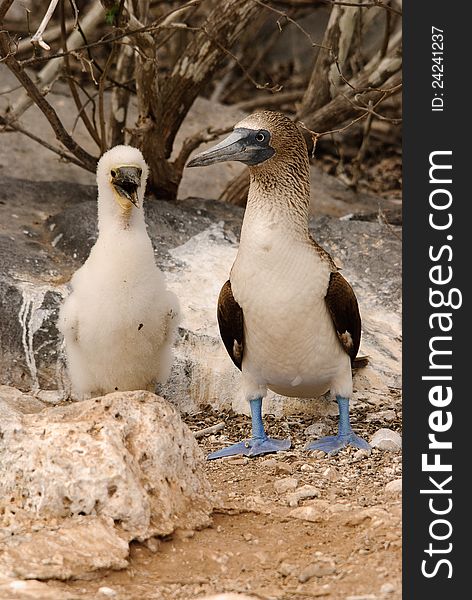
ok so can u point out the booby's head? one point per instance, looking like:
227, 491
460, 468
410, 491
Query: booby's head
122, 171
263, 140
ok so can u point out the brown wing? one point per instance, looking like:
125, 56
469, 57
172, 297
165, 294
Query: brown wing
344, 310
230, 321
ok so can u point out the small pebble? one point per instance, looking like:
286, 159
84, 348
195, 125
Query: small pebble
316, 430
361, 454
287, 484
318, 569
387, 588
18, 585
152, 544
306, 513
306, 491
382, 415
106, 591
386, 439
331, 474
394, 487
239, 460
363, 597
283, 468
285, 569
306, 468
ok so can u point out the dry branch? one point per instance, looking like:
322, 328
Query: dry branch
165, 101
52, 68
37, 39
379, 79
336, 45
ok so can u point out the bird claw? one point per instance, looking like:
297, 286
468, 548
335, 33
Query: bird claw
332, 444
252, 447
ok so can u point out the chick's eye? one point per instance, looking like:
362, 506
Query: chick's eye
113, 173
260, 137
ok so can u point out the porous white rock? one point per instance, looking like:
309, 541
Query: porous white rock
69, 549
125, 462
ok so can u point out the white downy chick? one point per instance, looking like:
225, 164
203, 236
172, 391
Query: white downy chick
119, 321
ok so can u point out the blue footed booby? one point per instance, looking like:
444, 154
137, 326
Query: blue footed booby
119, 321
288, 319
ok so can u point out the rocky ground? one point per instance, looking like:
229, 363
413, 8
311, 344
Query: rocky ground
284, 527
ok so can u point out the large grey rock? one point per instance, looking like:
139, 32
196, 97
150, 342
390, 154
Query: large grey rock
79, 481
196, 242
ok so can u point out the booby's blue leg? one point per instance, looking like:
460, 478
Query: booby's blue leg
346, 437
260, 442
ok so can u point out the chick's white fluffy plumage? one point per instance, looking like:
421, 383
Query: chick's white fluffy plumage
119, 321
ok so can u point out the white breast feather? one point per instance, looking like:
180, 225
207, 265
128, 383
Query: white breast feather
291, 345
119, 321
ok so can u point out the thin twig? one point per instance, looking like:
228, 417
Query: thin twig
259, 86
37, 39
110, 37
101, 89
383, 218
359, 158
72, 86
50, 35
4, 8
374, 3
76, 12
11, 125
89, 161
366, 111
207, 430
283, 14
191, 143
273, 100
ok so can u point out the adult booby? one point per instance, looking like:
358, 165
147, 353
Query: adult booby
119, 320
288, 318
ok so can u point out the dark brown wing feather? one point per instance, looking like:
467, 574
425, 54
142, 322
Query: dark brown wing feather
230, 321
344, 310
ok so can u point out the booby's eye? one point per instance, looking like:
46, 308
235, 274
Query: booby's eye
113, 173
260, 136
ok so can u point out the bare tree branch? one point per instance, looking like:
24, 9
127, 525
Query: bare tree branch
88, 161
37, 39
196, 140
374, 3
72, 86
49, 72
4, 8
13, 125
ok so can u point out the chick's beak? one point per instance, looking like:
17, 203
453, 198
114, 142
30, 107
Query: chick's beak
126, 181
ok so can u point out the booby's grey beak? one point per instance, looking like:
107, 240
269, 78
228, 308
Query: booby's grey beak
248, 146
126, 181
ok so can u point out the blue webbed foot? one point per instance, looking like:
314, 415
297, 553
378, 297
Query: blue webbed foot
252, 447
260, 443
332, 444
